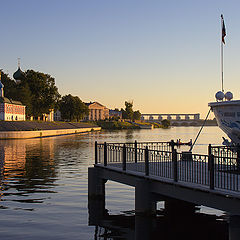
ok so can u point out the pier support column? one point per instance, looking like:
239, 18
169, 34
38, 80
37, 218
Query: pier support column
145, 210
234, 227
178, 208
96, 196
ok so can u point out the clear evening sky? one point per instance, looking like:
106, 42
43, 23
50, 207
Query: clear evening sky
163, 55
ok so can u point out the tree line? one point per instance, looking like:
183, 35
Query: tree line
39, 93
129, 113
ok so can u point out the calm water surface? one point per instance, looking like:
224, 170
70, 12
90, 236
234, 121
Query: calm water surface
44, 183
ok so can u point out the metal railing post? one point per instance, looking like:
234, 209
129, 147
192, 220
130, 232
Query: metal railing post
238, 158
175, 165
172, 145
96, 153
209, 154
105, 154
124, 158
209, 149
135, 147
146, 162
211, 171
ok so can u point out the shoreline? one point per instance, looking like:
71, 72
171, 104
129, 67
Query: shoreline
121, 125
44, 133
38, 129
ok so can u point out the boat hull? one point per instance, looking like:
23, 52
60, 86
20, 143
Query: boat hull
227, 114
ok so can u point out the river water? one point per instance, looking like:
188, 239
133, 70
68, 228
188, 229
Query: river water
44, 184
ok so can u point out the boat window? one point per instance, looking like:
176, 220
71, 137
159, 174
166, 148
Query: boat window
229, 114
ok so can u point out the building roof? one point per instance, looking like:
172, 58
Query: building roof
90, 103
16, 102
114, 111
19, 74
4, 100
7, 100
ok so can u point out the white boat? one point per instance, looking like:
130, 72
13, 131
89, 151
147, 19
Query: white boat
226, 110
227, 113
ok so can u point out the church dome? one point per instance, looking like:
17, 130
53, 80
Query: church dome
18, 75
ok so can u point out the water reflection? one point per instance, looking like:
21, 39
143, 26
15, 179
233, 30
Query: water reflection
127, 226
130, 135
26, 169
43, 187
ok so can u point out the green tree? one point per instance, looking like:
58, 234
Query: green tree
72, 108
37, 91
19, 92
10, 86
136, 115
24, 95
124, 114
81, 110
165, 123
129, 110
44, 93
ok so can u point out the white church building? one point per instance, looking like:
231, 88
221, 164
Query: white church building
10, 110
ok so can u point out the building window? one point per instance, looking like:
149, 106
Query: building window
229, 114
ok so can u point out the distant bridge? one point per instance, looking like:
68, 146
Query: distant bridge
172, 117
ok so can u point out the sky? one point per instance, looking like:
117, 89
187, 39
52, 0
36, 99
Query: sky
164, 55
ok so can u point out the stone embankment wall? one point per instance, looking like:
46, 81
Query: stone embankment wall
32, 129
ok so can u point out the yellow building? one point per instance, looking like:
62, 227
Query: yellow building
97, 111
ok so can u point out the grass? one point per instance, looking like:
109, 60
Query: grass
116, 125
111, 125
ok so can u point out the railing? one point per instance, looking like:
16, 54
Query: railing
227, 160
227, 152
162, 146
219, 169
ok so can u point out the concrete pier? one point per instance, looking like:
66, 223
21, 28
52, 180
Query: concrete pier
96, 196
234, 227
164, 175
175, 207
145, 203
144, 226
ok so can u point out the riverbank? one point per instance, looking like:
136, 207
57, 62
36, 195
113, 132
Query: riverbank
118, 125
195, 123
35, 129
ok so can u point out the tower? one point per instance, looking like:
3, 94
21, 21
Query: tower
19, 74
1, 85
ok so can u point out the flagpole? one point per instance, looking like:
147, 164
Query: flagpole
222, 42
222, 63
